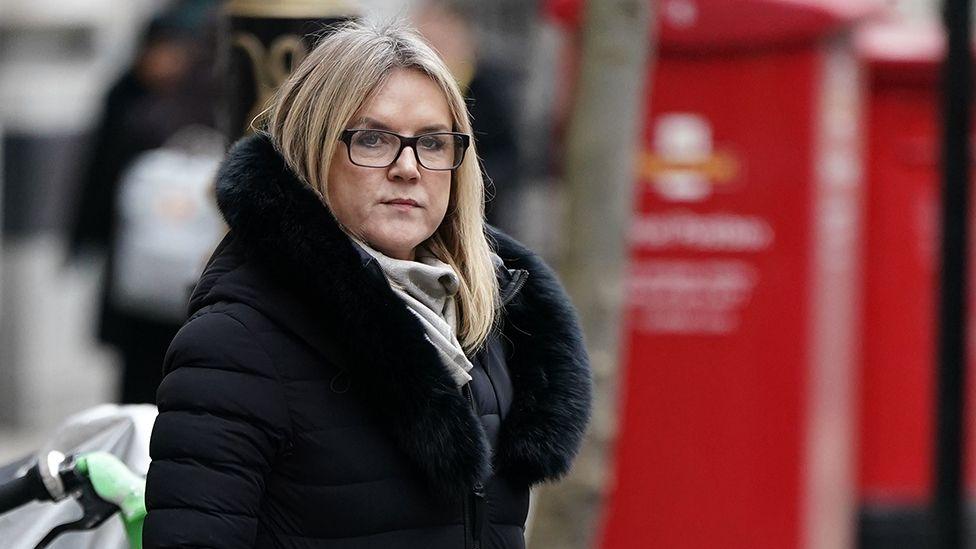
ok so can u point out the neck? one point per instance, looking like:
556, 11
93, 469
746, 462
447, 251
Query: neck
409, 255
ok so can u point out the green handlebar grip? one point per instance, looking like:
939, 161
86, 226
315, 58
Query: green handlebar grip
115, 483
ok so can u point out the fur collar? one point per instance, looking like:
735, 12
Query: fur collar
283, 224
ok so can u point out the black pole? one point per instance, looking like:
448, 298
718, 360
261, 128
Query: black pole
261, 42
957, 83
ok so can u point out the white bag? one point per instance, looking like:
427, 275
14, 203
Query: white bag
167, 224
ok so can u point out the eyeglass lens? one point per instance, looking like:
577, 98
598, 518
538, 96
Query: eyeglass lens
377, 149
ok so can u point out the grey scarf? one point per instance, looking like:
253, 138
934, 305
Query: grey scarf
427, 286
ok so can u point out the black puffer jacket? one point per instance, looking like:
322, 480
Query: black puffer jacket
302, 406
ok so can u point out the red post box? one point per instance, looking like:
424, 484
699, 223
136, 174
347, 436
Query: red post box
897, 417
742, 301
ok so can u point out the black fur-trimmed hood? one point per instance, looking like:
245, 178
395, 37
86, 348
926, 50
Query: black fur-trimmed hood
287, 229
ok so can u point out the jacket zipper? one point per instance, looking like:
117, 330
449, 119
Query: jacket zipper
474, 504
519, 279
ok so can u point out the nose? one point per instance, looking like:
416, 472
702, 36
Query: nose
405, 167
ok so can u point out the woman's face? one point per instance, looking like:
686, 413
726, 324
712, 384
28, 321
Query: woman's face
394, 209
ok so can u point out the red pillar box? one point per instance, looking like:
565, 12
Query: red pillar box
742, 300
897, 420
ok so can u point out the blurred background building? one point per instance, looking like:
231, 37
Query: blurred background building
57, 61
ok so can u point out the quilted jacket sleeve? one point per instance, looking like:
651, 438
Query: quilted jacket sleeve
222, 419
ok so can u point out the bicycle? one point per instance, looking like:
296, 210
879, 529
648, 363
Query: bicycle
81, 464
98, 481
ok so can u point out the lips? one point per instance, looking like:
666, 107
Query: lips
403, 202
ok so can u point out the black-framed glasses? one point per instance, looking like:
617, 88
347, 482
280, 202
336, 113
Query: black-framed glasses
380, 148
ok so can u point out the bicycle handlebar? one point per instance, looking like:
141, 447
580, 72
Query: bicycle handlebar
100, 483
23, 490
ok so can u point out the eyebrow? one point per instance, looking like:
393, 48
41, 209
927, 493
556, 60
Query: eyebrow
377, 125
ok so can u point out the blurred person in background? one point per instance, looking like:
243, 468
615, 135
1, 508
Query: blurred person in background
168, 87
366, 364
448, 25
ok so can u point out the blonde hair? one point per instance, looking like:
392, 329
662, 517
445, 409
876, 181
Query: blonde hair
315, 104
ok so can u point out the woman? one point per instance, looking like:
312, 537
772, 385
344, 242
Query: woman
361, 369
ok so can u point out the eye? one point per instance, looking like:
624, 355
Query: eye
370, 138
432, 142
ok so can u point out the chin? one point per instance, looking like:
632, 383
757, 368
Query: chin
397, 243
